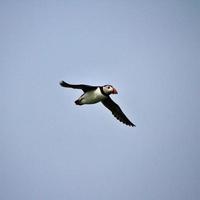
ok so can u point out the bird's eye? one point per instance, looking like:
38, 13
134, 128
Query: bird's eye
108, 87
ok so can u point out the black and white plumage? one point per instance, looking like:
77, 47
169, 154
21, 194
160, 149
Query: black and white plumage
95, 94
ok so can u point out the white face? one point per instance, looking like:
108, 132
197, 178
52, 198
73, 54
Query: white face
109, 89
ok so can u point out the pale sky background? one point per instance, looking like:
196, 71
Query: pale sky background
50, 149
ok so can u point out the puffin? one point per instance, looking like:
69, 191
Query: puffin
96, 94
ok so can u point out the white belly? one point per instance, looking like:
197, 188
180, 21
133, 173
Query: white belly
92, 97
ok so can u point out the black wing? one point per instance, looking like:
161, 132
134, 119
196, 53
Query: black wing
116, 111
85, 88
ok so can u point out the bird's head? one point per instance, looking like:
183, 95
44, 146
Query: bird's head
109, 89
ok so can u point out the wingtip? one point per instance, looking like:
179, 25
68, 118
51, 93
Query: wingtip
63, 84
131, 125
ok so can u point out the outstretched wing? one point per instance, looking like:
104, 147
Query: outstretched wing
116, 111
85, 88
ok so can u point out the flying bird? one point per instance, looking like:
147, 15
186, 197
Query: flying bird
95, 94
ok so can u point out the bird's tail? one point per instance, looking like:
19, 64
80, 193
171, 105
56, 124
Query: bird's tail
78, 102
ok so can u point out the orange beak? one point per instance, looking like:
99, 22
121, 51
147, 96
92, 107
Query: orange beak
114, 91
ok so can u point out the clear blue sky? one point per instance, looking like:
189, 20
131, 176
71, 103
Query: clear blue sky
51, 149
